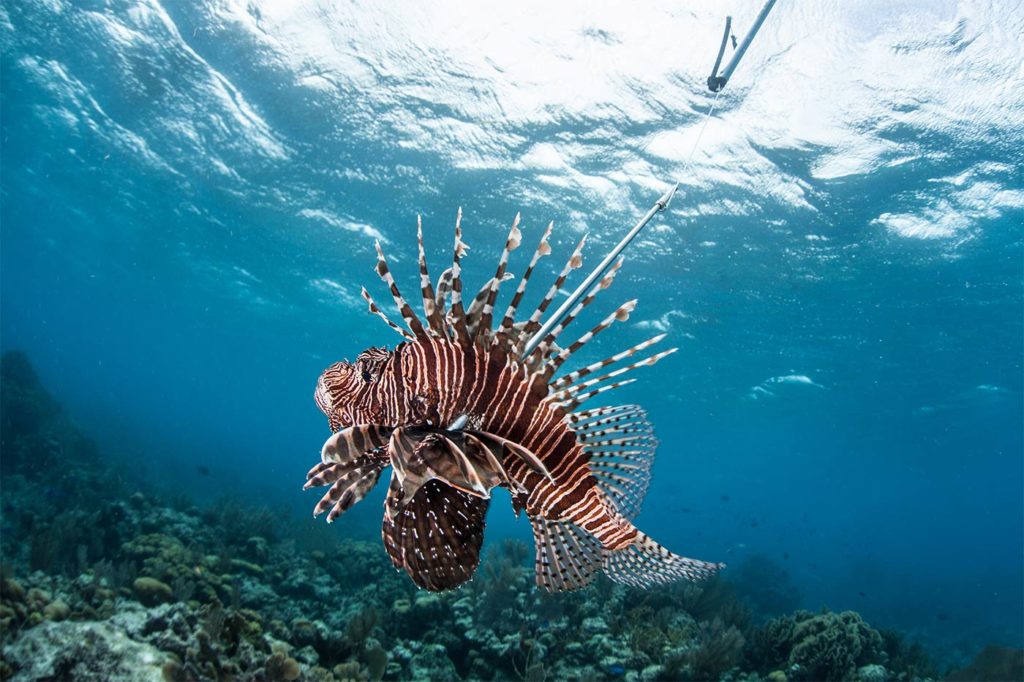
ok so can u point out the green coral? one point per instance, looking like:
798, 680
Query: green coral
824, 646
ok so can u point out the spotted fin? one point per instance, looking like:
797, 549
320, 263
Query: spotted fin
621, 448
436, 536
567, 557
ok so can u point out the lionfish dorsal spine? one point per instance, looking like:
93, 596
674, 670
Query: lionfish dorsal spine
456, 313
543, 249
556, 361
574, 401
575, 389
547, 344
486, 314
578, 374
533, 323
408, 315
430, 306
375, 309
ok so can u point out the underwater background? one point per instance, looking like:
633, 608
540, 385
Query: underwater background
190, 196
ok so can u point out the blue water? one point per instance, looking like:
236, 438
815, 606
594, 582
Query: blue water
190, 194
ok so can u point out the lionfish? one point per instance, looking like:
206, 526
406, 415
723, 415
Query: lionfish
458, 408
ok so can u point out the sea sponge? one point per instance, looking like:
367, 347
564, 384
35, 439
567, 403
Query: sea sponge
56, 610
376, 660
151, 591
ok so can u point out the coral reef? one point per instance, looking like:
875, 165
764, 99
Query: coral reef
824, 646
125, 584
993, 664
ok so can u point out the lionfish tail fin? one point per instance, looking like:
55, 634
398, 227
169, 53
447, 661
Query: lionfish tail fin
645, 563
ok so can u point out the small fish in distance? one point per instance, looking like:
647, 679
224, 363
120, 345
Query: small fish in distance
580, 473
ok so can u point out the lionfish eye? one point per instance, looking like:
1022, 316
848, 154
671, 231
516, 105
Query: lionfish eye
367, 377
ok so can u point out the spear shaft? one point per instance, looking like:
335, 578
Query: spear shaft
584, 288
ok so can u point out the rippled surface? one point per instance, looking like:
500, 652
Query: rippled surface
191, 193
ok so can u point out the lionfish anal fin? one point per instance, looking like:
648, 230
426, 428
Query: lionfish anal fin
567, 557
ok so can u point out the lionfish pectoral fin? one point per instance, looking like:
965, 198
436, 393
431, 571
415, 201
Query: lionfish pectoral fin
351, 462
436, 535
351, 443
351, 482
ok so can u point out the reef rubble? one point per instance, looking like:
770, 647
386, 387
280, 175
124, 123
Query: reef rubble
125, 584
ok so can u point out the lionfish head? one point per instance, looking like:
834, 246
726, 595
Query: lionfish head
348, 393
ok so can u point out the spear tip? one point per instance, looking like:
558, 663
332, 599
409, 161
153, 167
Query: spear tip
666, 198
